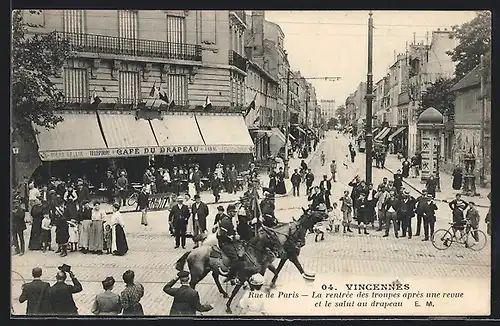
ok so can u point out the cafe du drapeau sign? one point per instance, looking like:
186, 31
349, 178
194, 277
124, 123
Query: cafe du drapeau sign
143, 151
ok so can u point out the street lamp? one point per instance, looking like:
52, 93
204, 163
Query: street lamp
369, 98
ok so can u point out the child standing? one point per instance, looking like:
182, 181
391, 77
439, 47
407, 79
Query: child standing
107, 239
335, 218
73, 235
46, 229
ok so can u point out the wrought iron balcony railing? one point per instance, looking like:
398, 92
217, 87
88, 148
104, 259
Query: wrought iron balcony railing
82, 42
237, 60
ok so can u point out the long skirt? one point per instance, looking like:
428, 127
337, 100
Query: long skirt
96, 236
191, 189
35, 242
119, 244
62, 233
134, 310
73, 234
84, 233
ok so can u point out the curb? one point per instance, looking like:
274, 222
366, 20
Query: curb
417, 190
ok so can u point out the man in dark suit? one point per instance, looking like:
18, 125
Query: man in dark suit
199, 211
406, 210
18, 226
36, 293
326, 186
61, 294
179, 215
186, 299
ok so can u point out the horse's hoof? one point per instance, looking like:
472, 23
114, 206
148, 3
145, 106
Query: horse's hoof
228, 310
225, 295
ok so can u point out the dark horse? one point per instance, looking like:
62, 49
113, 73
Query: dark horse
258, 254
292, 237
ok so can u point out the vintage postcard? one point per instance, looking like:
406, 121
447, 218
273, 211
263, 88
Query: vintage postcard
250, 163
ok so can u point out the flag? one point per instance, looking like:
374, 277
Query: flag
251, 106
256, 119
163, 95
95, 100
208, 104
153, 90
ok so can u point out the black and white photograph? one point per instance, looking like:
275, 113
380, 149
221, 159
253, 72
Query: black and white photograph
255, 163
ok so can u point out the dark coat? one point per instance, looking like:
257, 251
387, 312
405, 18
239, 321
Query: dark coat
186, 300
431, 185
202, 213
309, 178
83, 193
18, 224
457, 179
316, 199
143, 200
429, 211
406, 209
295, 179
328, 188
61, 298
179, 216
36, 293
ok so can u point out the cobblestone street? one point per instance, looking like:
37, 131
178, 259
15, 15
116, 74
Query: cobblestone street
152, 255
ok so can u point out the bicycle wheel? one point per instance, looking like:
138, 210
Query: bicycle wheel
132, 199
479, 243
442, 239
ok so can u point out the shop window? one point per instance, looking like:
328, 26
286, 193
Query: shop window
129, 87
177, 89
76, 85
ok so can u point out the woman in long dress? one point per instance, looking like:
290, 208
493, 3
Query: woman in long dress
85, 221
119, 245
272, 180
60, 218
191, 183
35, 242
96, 234
280, 184
70, 198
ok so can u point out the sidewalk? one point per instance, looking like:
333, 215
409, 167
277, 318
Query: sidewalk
447, 193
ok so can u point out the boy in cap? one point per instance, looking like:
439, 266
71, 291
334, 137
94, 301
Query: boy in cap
252, 302
218, 217
186, 299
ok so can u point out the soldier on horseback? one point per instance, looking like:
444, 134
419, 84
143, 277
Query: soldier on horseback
267, 208
229, 243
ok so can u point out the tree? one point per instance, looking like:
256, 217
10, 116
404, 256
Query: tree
340, 113
474, 40
35, 59
332, 123
438, 96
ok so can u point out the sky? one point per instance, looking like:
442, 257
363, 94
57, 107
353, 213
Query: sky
335, 43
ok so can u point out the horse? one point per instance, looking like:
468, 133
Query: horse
258, 255
292, 238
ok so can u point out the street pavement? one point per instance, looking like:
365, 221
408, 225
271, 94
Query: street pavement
152, 255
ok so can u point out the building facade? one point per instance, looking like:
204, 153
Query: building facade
328, 109
193, 56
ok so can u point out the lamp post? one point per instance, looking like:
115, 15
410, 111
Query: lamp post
369, 98
287, 124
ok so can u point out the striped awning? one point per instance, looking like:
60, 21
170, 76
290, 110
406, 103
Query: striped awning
382, 134
397, 132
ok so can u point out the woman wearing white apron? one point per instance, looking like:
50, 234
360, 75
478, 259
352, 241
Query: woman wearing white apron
189, 227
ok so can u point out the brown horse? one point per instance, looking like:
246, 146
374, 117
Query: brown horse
292, 238
258, 255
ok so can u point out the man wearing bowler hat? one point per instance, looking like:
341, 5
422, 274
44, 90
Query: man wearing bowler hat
179, 215
186, 299
200, 212
61, 294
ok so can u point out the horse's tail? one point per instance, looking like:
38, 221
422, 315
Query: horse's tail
179, 265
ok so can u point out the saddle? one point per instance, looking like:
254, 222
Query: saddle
217, 253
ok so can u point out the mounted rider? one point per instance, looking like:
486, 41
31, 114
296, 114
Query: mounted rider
267, 207
229, 243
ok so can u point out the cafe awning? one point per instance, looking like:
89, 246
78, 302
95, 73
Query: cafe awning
225, 133
276, 141
76, 137
396, 133
123, 131
382, 134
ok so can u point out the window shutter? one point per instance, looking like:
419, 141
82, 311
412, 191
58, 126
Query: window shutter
129, 87
76, 85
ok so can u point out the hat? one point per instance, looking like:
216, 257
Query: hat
424, 190
256, 279
220, 208
108, 281
64, 268
180, 198
231, 208
196, 196
406, 192
85, 201
321, 207
242, 212
116, 205
183, 275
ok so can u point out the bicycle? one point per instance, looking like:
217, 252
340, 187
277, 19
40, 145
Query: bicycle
442, 239
132, 199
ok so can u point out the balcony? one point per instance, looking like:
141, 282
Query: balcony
237, 61
103, 44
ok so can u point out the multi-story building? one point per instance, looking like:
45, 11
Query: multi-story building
327, 110
380, 102
472, 134
120, 56
351, 115
427, 63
